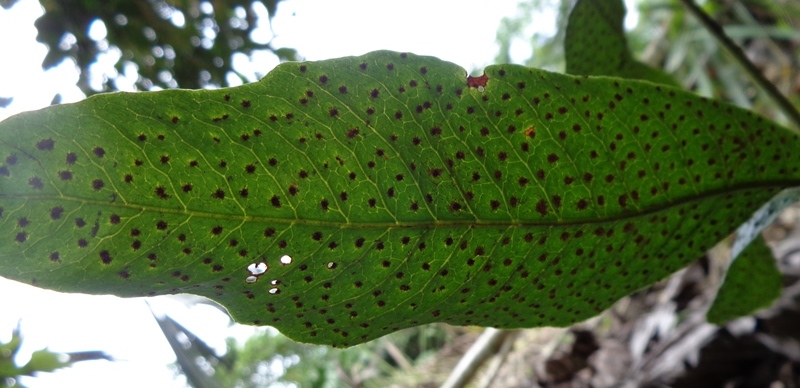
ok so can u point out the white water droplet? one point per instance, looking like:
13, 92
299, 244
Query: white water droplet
251, 279
286, 260
481, 89
274, 291
331, 265
275, 282
257, 269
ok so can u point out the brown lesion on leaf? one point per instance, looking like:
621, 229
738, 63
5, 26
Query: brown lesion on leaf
476, 82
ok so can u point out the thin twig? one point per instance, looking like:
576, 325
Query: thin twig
497, 362
715, 29
484, 347
397, 355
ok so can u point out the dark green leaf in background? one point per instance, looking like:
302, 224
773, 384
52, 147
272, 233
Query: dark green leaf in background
752, 282
382, 192
595, 44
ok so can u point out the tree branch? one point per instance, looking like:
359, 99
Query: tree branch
484, 347
739, 56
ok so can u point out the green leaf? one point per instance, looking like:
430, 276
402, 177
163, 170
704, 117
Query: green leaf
45, 361
753, 282
8, 351
394, 193
595, 44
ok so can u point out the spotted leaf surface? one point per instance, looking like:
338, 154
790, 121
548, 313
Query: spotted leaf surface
753, 281
595, 43
342, 200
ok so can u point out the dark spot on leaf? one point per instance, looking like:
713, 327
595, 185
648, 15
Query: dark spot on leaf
541, 207
161, 192
37, 184
105, 257
99, 152
43, 145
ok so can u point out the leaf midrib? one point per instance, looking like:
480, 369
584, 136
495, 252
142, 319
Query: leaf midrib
776, 184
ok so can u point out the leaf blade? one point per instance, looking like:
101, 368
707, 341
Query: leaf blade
595, 44
401, 195
753, 281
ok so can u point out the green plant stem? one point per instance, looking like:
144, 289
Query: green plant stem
755, 74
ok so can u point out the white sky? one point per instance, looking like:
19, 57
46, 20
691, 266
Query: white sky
460, 31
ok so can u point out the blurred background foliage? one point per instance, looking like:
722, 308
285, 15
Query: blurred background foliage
667, 37
191, 44
177, 43
267, 359
42, 360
